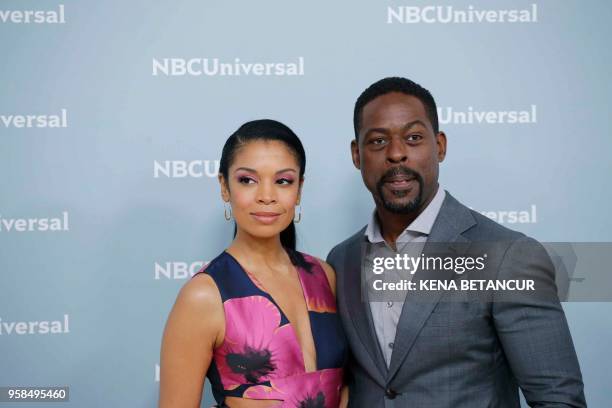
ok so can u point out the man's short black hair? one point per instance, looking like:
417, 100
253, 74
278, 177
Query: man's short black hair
395, 84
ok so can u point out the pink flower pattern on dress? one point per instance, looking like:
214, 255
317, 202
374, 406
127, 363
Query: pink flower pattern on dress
316, 389
259, 358
255, 349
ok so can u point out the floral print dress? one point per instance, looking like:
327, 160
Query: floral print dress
260, 357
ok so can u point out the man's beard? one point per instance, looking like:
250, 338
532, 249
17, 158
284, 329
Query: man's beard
404, 208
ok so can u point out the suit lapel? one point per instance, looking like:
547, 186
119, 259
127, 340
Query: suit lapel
453, 219
359, 306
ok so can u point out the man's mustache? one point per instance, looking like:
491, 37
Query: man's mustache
399, 171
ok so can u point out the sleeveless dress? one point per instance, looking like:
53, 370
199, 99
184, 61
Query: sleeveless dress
260, 357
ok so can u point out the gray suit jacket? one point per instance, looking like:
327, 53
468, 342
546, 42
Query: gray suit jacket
462, 354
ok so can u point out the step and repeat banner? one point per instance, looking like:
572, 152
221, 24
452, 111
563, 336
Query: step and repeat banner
113, 114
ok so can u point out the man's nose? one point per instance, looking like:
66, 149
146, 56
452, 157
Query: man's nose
397, 151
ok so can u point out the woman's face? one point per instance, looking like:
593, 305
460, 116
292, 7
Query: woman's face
263, 187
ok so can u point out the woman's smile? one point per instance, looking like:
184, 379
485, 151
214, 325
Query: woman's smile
265, 217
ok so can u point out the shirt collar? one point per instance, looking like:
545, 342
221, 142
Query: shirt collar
422, 224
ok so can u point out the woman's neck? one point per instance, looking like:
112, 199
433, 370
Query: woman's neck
256, 251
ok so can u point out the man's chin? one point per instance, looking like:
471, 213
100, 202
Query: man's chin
399, 201
401, 206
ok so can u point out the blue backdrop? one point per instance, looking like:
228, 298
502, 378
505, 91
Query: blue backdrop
113, 115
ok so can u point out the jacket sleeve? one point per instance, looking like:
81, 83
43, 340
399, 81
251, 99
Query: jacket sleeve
534, 333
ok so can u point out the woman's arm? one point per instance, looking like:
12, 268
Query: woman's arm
344, 397
194, 328
330, 273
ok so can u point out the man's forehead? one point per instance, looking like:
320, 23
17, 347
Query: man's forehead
394, 110
394, 105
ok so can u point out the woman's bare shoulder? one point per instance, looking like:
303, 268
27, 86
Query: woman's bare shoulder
330, 273
198, 312
200, 292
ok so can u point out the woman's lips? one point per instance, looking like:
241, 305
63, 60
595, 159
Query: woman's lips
265, 217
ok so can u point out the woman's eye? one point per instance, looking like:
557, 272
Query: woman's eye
245, 180
284, 181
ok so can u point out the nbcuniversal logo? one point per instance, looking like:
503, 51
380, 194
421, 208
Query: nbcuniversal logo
184, 168
177, 270
471, 116
60, 326
455, 15
34, 16
54, 120
58, 223
215, 67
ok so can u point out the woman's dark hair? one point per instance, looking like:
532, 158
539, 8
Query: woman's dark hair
266, 130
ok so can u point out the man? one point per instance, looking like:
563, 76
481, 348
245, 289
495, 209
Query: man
438, 353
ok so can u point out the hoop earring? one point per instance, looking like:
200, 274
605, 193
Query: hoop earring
299, 218
227, 217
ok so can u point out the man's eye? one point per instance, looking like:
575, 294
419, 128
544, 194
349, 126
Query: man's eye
246, 180
414, 138
378, 141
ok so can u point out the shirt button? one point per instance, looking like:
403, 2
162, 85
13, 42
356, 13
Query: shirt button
389, 304
391, 345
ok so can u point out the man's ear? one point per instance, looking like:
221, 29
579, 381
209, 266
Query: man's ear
225, 195
441, 142
355, 154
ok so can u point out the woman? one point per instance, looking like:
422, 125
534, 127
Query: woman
260, 319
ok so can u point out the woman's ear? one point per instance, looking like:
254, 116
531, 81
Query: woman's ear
225, 195
299, 197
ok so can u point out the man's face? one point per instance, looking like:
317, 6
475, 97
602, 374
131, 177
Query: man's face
398, 153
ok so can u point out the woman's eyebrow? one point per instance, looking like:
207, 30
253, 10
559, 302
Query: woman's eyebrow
250, 170
246, 169
287, 169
